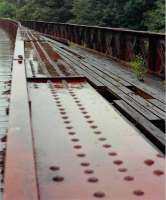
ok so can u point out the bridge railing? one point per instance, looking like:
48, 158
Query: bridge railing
120, 44
10, 26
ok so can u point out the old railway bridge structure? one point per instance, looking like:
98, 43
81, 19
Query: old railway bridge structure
75, 123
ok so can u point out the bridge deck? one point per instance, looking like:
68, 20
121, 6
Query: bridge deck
65, 141
146, 109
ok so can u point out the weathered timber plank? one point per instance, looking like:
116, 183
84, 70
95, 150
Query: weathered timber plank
152, 130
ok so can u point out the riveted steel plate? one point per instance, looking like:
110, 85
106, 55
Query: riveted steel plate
84, 149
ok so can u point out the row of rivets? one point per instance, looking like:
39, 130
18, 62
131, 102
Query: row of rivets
102, 139
78, 147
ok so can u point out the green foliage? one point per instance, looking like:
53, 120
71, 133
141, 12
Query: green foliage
59, 10
7, 9
138, 66
89, 12
126, 14
24, 13
81, 10
155, 18
133, 14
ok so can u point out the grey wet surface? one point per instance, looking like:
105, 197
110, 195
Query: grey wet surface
152, 85
5, 77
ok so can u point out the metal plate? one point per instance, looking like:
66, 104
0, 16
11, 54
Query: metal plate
20, 179
85, 150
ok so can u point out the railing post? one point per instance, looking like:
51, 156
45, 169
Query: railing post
152, 54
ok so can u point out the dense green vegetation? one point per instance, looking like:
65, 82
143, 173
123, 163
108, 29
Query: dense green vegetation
134, 14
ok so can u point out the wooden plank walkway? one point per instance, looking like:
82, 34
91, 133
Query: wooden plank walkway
145, 106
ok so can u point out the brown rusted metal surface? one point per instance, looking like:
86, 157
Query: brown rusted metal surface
80, 156
10, 26
54, 64
121, 44
20, 177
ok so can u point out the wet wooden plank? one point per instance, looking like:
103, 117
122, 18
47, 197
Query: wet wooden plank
152, 108
98, 70
89, 76
116, 89
152, 130
114, 77
149, 86
158, 103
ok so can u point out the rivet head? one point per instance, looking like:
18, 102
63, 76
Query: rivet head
69, 127
128, 178
4, 139
97, 132
102, 139
74, 140
93, 127
77, 146
158, 172
87, 116
85, 164
90, 121
82, 108
149, 162
138, 193
112, 154
106, 145
81, 155
67, 122
54, 168
65, 117
62, 113
93, 180
84, 112
99, 194
118, 162
122, 170
72, 133
89, 171
58, 178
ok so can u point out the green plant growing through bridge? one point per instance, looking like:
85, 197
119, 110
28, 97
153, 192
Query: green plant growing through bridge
139, 67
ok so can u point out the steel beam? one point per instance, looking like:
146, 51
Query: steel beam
20, 177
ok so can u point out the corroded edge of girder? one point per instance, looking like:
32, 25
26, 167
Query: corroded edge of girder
20, 177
